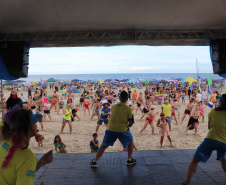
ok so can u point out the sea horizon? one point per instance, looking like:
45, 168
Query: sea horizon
120, 76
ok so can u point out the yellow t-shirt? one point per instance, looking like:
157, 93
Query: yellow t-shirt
166, 110
217, 126
21, 168
120, 113
213, 98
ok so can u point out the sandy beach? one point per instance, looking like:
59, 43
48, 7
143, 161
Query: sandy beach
78, 141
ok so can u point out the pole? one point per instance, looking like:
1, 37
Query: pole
2, 104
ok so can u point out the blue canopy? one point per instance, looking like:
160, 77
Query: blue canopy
75, 80
132, 81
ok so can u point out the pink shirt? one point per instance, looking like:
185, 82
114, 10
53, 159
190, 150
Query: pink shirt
47, 106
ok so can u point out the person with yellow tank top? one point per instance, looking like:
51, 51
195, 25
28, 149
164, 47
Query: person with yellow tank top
67, 118
215, 140
18, 163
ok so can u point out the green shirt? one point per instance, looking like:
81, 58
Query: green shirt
217, 126
120, 113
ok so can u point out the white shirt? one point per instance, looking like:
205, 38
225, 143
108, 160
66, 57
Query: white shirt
199, 96
204, 94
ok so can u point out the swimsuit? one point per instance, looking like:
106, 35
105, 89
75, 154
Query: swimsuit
60, 105
145, 111
86, 106
60, 145
187, 111
149, 119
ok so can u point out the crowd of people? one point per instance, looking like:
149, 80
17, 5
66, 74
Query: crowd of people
116, 108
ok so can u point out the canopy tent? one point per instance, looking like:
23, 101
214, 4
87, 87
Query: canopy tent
163, 82
19, 81
132, 81
51, 80
75, 80
187, 80
10, 83
154, 80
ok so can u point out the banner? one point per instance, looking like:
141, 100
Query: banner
100, 81
158, 97
209, 80
191, 86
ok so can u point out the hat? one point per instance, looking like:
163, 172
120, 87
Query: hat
106, 103
191, 101
152, 107
167, 102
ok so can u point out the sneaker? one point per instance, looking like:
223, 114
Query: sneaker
93, 164
132, 162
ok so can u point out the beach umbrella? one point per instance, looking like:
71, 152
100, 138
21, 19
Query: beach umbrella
124, 80
90, 81
89, 84
146, 81
179, 79
51, 80
187, 80
35, 82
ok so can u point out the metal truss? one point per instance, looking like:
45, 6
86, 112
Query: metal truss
108, 38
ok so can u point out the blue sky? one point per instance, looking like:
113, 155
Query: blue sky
120, 59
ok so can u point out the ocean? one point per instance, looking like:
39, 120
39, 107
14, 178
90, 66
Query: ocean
143, 76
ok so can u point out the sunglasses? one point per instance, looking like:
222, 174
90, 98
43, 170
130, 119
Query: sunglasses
162, 115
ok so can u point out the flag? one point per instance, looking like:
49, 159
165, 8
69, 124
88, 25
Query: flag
200, 81
138, 83
209, 80
211, 89
190, 82
191, 86
100, 81
159, 97
175, 83
183, 82
200, 88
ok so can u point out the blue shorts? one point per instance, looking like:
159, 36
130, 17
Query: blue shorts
63, 94
110, 137
169, 119
206, 148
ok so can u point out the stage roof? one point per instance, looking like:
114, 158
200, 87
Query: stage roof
29, 19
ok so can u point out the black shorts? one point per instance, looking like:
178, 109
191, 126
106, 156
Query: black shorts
81, 100
192, 122
101, 121
47, 111
187, 111
138, 104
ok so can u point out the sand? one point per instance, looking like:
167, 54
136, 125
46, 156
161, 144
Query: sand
78, 141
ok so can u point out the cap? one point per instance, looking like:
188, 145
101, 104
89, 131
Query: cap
167, 102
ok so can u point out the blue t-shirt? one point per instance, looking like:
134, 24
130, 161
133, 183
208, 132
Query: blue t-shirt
92, 145
103, 110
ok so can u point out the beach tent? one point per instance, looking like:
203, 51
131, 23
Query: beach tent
146, 81
190, 78
51, 80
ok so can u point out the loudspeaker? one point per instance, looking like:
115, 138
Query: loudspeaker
218, 49
16, 57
